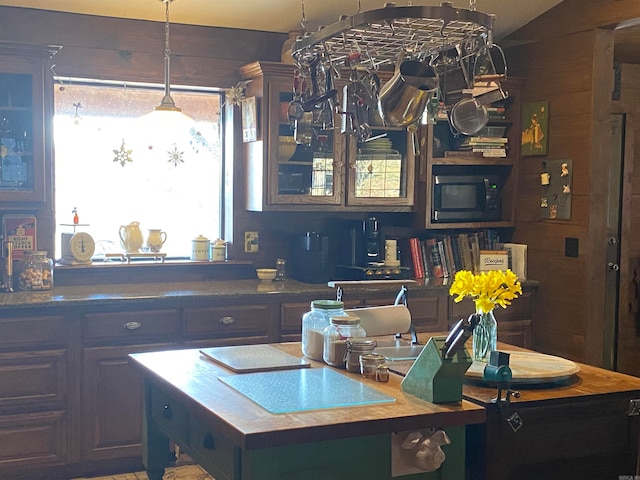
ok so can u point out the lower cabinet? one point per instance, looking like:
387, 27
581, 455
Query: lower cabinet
34, 392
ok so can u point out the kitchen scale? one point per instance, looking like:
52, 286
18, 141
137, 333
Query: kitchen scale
78, 247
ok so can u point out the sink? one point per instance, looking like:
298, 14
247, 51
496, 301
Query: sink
400, 352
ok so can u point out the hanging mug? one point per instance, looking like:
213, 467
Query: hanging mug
155, 240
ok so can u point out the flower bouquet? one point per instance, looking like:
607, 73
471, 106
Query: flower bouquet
487, 290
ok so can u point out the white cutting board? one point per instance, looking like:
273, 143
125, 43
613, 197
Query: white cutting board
254, 358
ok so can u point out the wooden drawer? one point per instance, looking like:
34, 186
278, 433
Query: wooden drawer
229, 321
31, 380
170, 415
43, 331
144, 326
213, 451
33, 439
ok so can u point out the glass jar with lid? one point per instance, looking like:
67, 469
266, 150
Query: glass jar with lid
340, 330
313, 324
35, 272
355, 348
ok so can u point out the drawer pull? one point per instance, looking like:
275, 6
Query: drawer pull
227, 320
208, 442
166, 412
132, 325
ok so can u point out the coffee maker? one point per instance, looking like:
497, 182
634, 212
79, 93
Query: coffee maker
362, 243
364, 254
310, 258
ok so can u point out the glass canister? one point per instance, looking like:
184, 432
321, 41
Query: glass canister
35, 272
355, 348
369, 363
313, 324
340, 330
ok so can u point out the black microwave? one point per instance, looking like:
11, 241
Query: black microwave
465, 198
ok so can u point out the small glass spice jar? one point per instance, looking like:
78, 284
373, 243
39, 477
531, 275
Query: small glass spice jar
35, 272
336, 335
355, 348
369, 363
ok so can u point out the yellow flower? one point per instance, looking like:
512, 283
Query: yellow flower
486, 289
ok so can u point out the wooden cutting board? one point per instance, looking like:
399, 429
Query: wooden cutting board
254, 358
531, 368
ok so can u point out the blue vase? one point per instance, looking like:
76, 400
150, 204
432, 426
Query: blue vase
485, 337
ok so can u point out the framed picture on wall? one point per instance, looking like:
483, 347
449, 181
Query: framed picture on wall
249, 119
535, 127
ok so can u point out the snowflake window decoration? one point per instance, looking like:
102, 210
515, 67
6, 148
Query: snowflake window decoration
235, 95
175, 156
122, 155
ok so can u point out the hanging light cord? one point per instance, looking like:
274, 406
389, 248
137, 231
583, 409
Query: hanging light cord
167, 102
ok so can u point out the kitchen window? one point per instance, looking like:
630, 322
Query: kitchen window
113, 168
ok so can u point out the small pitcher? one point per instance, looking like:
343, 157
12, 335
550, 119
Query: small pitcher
131, 237
155, 240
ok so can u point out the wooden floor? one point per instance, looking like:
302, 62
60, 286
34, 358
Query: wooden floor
184, 472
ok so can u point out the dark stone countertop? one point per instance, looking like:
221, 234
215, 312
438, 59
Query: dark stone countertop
236, 290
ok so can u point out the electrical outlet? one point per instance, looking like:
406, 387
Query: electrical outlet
571, 247
251, 242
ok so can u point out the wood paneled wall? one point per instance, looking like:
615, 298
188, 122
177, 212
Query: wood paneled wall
566, 57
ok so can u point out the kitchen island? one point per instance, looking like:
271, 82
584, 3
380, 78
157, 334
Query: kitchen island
234, 438
583, 427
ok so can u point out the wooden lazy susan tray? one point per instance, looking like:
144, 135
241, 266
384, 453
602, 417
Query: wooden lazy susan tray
531, 368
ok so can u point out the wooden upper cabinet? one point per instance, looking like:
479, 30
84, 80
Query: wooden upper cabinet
26, 112
333, 172
450, 153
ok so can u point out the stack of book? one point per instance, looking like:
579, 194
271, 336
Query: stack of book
442, 256
489, 146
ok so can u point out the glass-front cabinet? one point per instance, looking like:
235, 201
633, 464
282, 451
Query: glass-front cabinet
24, 118
292, 166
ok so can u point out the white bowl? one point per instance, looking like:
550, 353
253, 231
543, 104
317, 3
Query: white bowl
266, 274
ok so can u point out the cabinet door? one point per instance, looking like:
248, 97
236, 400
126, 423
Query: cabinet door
111, 405
381, 171
309, 173
25, 119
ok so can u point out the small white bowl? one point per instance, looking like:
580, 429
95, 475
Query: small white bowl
266, 274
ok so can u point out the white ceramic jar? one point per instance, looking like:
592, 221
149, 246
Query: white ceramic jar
200, 249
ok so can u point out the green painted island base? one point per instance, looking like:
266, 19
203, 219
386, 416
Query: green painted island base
364, 457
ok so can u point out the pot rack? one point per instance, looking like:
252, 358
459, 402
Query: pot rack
384, 33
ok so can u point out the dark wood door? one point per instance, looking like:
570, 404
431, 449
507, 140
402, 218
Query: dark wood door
112, 403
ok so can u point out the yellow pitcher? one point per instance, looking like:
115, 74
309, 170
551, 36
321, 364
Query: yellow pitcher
131, 237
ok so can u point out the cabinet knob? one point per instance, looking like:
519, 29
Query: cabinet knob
227, 320
613, 266
132, 325
166, 412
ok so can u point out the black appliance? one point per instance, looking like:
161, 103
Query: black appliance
466, 198
363, 244
310, 255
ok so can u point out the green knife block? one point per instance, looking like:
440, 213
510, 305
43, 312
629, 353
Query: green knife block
436, 379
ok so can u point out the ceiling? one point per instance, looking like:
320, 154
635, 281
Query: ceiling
277, 15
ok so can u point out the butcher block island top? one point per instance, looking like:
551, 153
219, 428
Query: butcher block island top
196, 379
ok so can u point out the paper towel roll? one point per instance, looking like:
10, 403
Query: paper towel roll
384, 320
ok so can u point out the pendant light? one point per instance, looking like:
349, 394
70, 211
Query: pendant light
167, 104
166, 125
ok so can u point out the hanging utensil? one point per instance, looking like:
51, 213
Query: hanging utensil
296, 109
403, 98
468, 117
